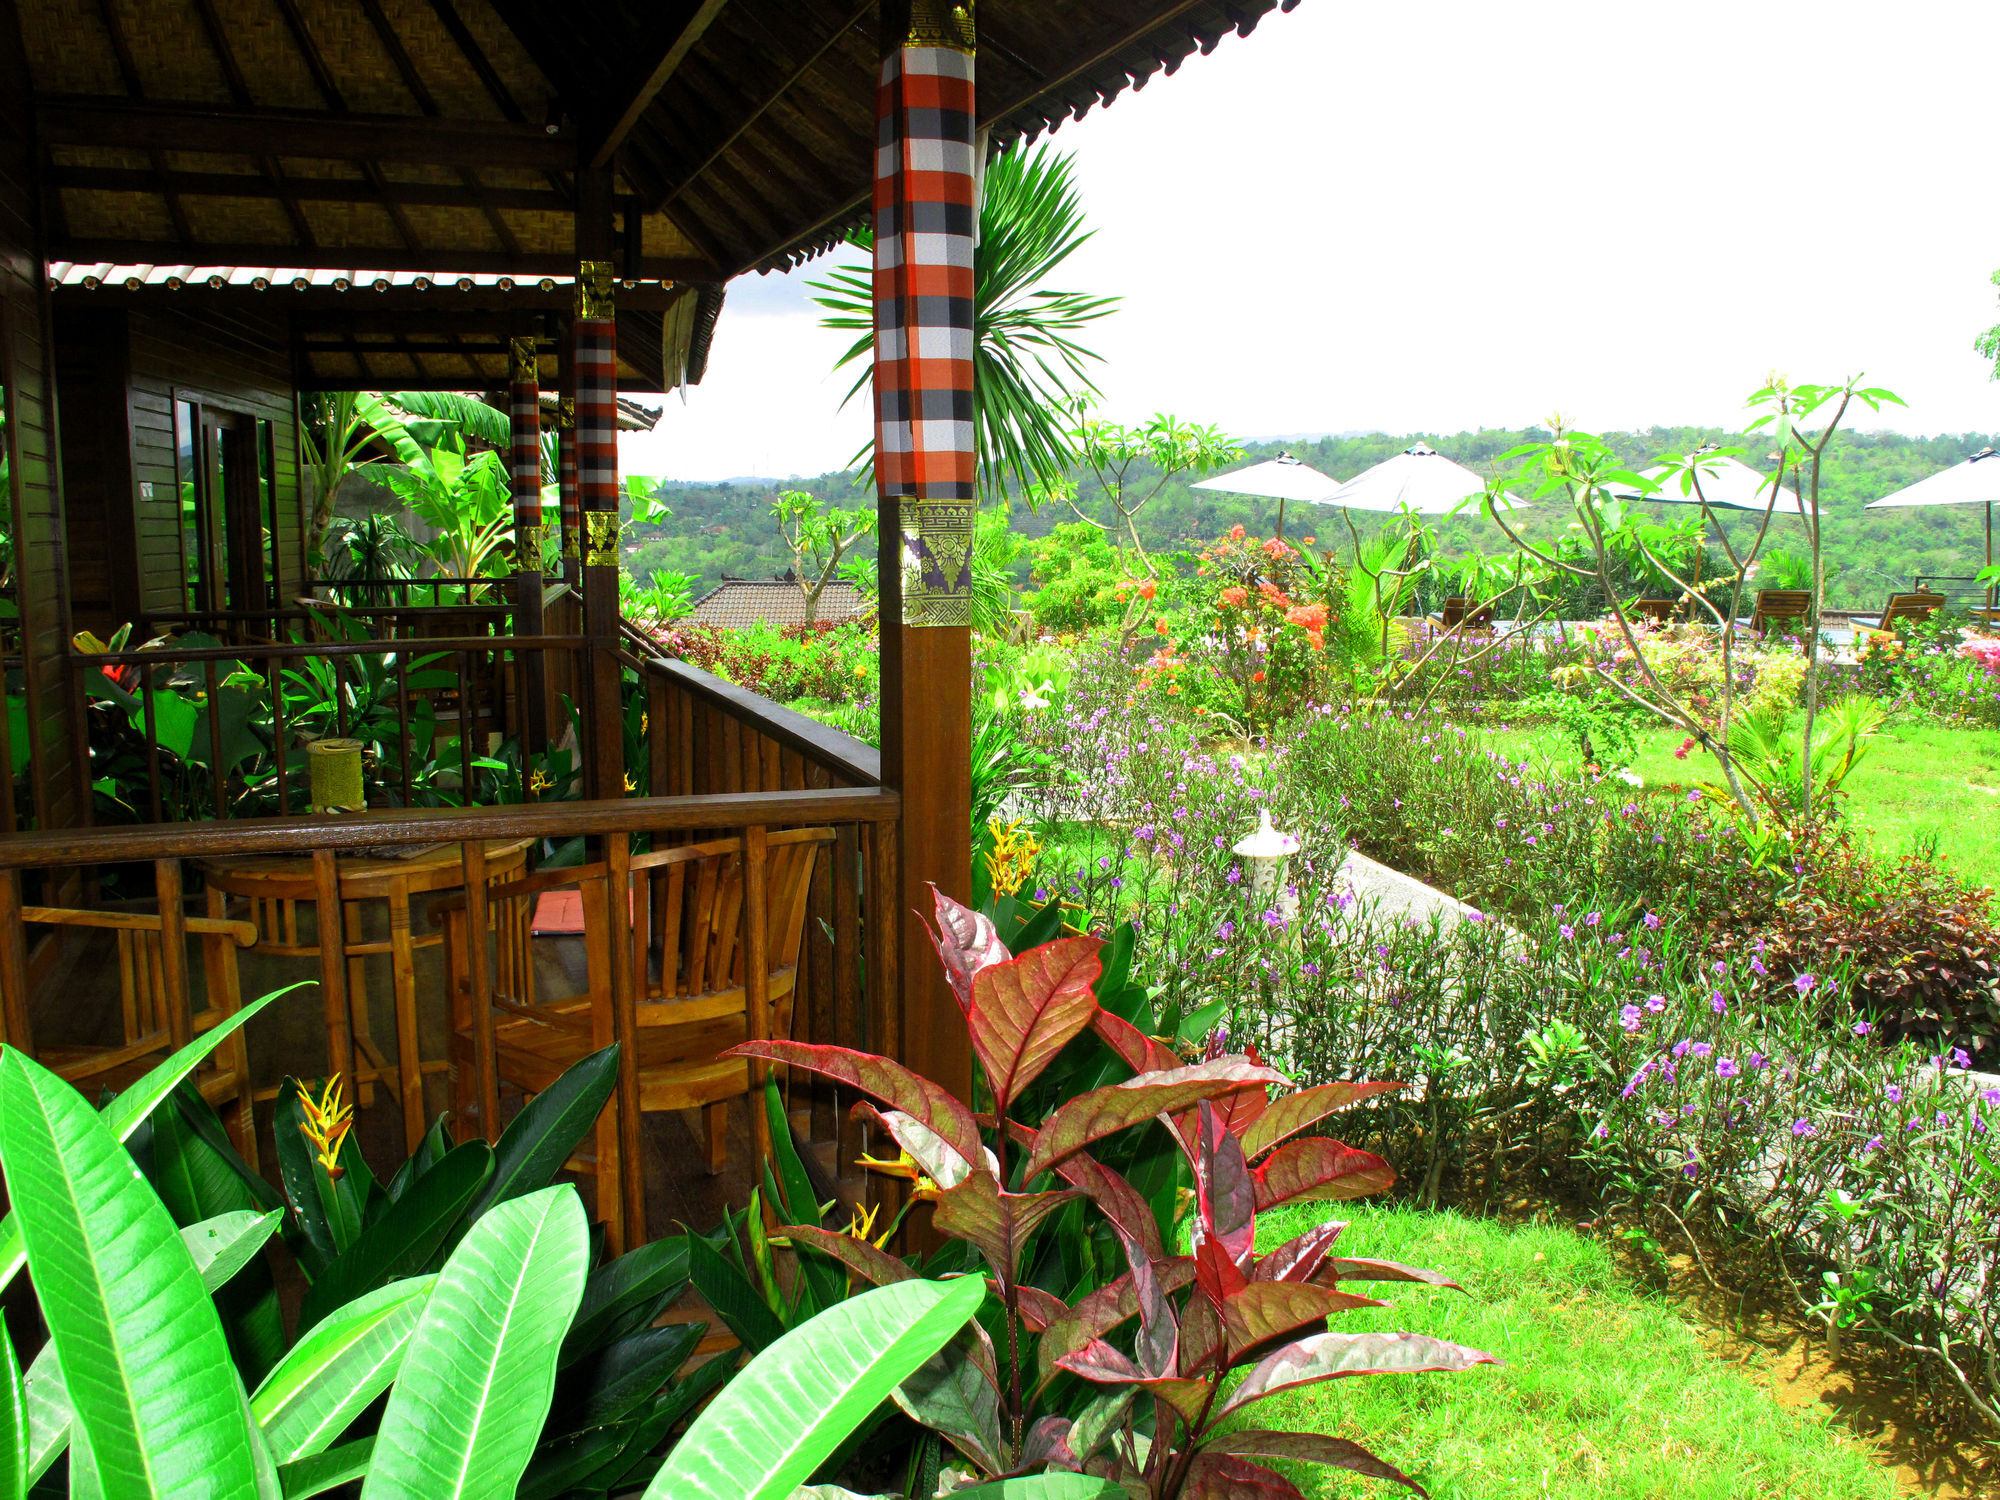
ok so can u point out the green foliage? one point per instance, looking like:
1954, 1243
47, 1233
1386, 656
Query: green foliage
818, 536
1162, 448
1077, 576
467, 502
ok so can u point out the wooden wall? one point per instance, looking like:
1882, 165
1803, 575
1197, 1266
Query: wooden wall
225, 358
26, 367
92, 360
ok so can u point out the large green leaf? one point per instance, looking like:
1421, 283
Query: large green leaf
773, 1424
13, 1424
465, 1413
406, 1238
142, 1350
625, 1295
622, 1376
1054, 1485
324, 1471
339, 1367
724, 1287
537, 1141
127, 1111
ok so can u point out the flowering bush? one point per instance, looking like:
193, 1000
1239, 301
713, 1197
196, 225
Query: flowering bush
1938, 669
1270, 612
831, 661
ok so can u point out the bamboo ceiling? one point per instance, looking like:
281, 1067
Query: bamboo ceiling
449, 135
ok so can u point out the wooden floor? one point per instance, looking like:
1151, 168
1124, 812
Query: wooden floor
78, 1004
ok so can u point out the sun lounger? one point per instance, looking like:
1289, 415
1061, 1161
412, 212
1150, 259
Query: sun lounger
1456, 611
1776, 606
1916, 606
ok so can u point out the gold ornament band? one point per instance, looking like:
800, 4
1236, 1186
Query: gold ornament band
566, 413
569, 543
601, 550
594, 299
526, 360
937, 554
937, 23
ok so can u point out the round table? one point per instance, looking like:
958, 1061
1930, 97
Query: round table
274, 885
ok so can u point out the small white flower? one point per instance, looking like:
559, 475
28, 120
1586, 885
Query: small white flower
1631, 777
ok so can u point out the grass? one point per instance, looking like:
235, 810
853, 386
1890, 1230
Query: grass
1918, 782
1604, 1395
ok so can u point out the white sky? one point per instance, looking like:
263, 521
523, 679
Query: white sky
1439, 215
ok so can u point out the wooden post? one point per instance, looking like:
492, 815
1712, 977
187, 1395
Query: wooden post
479, 988
524, 412
925, 467
15, 1028
627, 978
333, 966
173, 948
595, 358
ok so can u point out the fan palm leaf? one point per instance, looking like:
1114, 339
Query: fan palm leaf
1028, 367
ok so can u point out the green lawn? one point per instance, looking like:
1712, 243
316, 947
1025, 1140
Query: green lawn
1604, 1396
1917, 781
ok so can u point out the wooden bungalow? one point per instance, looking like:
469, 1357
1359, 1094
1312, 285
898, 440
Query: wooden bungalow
212, 209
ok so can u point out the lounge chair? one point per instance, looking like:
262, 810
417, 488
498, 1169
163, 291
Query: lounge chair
1915, 606
1775, 605
1659, 611
1458, 611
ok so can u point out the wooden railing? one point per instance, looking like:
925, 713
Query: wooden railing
848, 971
308, 622
482, 697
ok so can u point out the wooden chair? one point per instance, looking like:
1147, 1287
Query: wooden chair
1458, 611
156, 1013
1658, 611
1913, 606
701, 916
1774, 605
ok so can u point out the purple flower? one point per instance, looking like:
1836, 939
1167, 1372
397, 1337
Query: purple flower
1601, 1131
1274, 918
1226, 931
1681, 1047
1893, 1093
1593, 919
1701, 1049
1568, 931
1656, 1003
1759, 1060
1235, 876
1143, 833
1803, 1127
1804, 984
1960, 1058
1651, 920
1725, 1067
1629, 1018
1991, 1096
1862, 1028
1716, 1003
1873, 1143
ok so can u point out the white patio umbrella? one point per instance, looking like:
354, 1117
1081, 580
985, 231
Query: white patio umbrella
1725, 485
1974, 482
1281, 479
1419, 479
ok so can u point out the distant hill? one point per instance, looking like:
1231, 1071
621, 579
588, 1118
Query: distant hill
725, 529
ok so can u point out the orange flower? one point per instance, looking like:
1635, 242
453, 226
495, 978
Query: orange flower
1275, 548
1256, 676
1234, 597
1148, 589
1309, 541
1273, 595
1236, 533
1310, 618
1161, 626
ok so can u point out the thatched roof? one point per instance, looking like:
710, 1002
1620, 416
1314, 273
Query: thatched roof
418, 135
354, 328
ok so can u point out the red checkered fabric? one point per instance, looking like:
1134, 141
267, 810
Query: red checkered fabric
524, 417
925, 218
596, 380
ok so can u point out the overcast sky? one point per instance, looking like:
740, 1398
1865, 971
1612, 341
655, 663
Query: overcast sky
1448, 215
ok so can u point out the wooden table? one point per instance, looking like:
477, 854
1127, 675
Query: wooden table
275, 885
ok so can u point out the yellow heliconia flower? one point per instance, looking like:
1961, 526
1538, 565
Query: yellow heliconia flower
862, 1227
906, 1167
1012, 860
327, 1121
540, 782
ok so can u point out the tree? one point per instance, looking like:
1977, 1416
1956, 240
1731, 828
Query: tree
1027, 367
1171, 446
818, 535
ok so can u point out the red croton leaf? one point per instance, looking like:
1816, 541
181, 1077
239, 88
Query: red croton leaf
966, 942
1038, 1308
1047, 1442
1225, 1206
876, 1267
1026, 1010
936, 1160
997, 1223
1221, 1476
1101, 1112
1297, 1259
1142, 1053
1334, 1356
888, 1081
1319, 1168
1312, 1448
1115, 1198
1216, 1274
1101, 1364
1291, 1113
1267, 1310
1103, 1310
1331, 1271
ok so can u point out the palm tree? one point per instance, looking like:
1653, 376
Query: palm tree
1027, 367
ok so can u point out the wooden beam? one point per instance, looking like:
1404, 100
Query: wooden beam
92, 120
677, 51
440, 262
757, 110
316, 189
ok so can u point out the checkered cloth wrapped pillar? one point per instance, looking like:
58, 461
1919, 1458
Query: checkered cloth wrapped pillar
524, 420
596, 383
925, 218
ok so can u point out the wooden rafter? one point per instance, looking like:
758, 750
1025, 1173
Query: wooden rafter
366, 257
314, 189
128, 71
656, 78
105, 121
771, 97
239, 90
